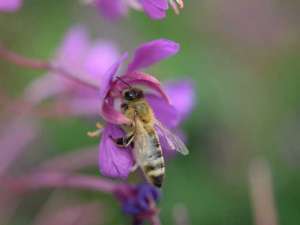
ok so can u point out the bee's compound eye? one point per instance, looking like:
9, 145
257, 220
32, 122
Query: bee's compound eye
129, 95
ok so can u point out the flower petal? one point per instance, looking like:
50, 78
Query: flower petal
146, 192
73, 49
155, 11
10, 5
164, 112
161, 4
99, 58
14, 138
152, 52
182, 96
112, 9
107, 110
83, 106
44, 87
149, 83
151, 86
107, 78
111, 115
113, 161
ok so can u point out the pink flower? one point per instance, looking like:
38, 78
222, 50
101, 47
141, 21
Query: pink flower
61, 210
10, 5
139, 201
168, 110
81, 57
112, 9
155, 9
14, 138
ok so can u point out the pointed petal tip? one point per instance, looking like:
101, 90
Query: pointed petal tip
152, 52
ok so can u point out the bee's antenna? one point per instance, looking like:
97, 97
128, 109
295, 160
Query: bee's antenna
124, 82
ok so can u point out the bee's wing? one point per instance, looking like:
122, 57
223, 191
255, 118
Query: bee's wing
142, 143
173, 140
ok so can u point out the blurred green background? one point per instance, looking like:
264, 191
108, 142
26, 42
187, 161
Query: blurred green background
244, 57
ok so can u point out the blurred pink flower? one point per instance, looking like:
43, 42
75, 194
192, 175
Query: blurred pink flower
155, 9
80, 57
60, 210
10, 5
75, 160
14, 139
112, 9
139, 201
117, 162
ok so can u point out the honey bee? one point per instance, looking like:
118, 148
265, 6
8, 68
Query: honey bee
142, 136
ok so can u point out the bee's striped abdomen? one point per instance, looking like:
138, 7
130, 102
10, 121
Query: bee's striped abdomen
154, 167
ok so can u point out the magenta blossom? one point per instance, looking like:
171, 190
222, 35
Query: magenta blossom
168, 110
10, 5
139, 201
79, 56
155, 9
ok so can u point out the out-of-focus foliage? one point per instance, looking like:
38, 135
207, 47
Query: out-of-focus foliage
244, 59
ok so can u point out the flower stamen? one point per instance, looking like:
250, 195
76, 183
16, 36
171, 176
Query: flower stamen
176, 5
97, 132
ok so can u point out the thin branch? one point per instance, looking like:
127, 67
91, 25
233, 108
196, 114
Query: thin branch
261, 190
22, 61
180, 214
59, 180
71, 162
155, 220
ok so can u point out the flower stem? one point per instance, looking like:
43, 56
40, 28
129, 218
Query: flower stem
261, 193
61, 180
22, 61
71, 162
37, 64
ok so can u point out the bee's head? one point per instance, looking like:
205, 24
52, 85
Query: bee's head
133, 94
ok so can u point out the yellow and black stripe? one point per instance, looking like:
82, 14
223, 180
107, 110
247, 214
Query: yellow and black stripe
154, 168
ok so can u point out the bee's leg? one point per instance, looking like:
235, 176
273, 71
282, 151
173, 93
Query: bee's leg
134, 168
97, 132
123, 142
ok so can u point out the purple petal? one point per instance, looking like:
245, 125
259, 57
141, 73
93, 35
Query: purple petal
146, 192
45, 87
63, 211
161, 4
152, 52
106, 80
14, 139
107, 110
155, 10
74, 48
114, 161
148, 82
182, 96
111, 115
99, 58
10, 5
76, 160
163, 111
83, 106
112, 9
